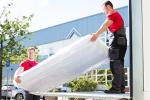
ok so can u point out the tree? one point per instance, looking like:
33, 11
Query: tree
12, 32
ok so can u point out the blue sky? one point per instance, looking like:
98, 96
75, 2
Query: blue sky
53, 12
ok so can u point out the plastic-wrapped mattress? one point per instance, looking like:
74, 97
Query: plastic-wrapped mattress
64, 66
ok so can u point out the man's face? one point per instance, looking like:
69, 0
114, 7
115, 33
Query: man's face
31, 54
105, 9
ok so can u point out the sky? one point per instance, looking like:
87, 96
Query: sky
48, 13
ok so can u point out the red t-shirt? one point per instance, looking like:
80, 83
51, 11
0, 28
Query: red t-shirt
117, 21
27, 64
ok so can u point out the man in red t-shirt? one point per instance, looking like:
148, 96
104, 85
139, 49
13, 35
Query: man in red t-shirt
117, 50
26, 65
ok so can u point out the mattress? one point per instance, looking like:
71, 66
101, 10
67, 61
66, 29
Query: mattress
64, 66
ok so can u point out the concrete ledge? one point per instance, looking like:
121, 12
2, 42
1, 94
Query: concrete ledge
89, 95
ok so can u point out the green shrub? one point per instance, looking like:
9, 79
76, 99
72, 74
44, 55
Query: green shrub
83, 84
108, 85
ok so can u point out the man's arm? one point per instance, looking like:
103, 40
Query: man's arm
103, 28
16, 76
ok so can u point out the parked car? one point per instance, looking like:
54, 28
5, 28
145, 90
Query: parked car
63, 88
10, 91
13, 92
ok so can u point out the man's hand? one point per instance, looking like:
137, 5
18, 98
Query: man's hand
17, 79
94, 37
103, 28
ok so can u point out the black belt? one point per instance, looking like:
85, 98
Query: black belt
120, 33
120, 38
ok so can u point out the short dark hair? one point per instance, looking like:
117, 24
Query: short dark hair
106, 3
31, 48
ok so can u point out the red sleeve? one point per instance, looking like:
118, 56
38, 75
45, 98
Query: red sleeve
110, 17
22, 64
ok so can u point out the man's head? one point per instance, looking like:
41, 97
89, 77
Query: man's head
31, 52
107, 7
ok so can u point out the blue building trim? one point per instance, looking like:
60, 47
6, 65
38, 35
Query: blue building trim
86, 25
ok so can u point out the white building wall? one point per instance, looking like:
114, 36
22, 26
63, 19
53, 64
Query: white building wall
137, 50
146, 47
141, 49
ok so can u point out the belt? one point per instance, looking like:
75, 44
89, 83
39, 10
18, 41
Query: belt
120, 33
